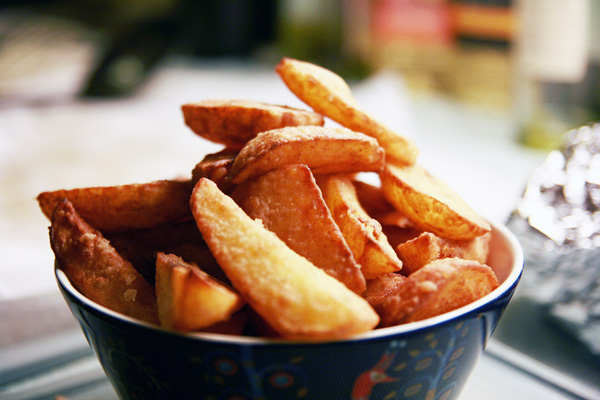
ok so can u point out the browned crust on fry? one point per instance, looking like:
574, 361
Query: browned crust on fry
439, 287
323, 150
235, 122
96, 269
289, 202
328, 94
427, 247
379, 288
216, 167
125, 207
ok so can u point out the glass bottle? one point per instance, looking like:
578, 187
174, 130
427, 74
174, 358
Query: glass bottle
553, 69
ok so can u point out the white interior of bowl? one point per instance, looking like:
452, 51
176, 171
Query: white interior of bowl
506, 259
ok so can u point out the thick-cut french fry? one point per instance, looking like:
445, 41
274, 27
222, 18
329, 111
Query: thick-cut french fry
299, 300
190, 299
427, 247
288, 202
323, 150
125, 207
96, 269
441, 286
363, 234
430, 204
234, 122
327, 93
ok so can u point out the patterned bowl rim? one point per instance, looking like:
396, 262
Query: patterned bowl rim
409, 328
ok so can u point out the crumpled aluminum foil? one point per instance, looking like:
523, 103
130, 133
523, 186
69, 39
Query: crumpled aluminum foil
557, 222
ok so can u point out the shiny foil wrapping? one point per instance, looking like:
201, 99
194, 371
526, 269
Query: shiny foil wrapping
557, 222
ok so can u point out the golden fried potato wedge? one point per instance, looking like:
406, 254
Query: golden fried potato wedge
125, 207
188, 298
235, 122
96, 269
299, 300
441, 286
328, 94
430, 204
427, 247
379, 288
363, 234
288, 202
323, 150
216, 167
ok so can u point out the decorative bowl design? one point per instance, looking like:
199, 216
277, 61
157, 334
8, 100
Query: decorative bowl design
429, 359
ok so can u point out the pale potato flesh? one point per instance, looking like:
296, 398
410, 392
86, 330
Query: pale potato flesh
190, 299
299, 300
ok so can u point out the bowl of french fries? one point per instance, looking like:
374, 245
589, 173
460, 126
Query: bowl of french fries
312, 257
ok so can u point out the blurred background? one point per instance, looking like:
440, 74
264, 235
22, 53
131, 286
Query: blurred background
90, 93
536, 59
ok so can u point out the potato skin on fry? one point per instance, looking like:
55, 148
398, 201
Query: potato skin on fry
430, 204
125, 207
327, 93
379, 288
216, 167
96, 269
235, 122
288, 202
323, 150
439, 287
299, 300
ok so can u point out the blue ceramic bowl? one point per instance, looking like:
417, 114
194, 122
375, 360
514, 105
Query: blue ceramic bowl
429, 359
